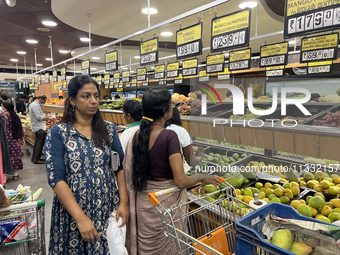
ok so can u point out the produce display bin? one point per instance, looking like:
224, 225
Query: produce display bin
198, 112
215, 110
257, 105
223, 152
249, 237
321, 115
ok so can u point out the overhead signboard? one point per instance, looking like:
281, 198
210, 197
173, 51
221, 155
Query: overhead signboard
146, 82
189, 41
189, 67
172, 70
239, 60
111, 61
85, 67
64, 85
55, 76
99, 79
320, 67
215, 63
134, 83
141, 74
116, 77
203, 76
179, 79
111, 85
149, 52
274, 54
159, 72
319, 48
304, 17
125, 76
39, 79
63, 73
224, 76
47, 78
230, 31
275, 71
106, 79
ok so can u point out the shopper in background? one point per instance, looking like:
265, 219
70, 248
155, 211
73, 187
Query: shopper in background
175, 123
116, 97
60, 97
153, 162
78, 154
132, 113
38, 124
21, 105
106, 97
315, 97
15, 137
4, 97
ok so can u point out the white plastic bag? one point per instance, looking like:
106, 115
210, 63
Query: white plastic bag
116, 236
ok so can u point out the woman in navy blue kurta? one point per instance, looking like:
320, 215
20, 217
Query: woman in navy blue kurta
73, 158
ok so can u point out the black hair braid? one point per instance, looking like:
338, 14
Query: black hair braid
16, 123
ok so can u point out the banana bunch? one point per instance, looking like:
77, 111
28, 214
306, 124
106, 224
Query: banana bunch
242, 88
257, 89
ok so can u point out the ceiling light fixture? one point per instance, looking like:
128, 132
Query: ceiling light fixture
95, 57
124, 68
49, 23
14, 60
152, 11
136, 56
48, 59
139, 32
21, 52
85, 39
63, 51
39, 65
166, 34
249, 4
93, 68
31, 41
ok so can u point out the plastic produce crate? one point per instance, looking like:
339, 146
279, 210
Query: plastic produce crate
249, 237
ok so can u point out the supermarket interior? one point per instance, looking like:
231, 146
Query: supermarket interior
250, 89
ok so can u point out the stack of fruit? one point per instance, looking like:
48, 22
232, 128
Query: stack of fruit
223, 160
115, 105
55, 101
248, 116
331, 119
322, 182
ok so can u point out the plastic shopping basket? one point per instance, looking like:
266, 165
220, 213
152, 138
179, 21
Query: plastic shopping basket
203, 227
30, 219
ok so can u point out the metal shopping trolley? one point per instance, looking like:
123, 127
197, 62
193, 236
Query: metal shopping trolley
28, 235
203, 227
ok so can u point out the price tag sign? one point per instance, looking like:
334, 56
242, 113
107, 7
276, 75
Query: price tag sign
230, 31
275, 71
121, 85
141, 74
134, 83
320, 67
310, 16
111, 61
55, 76
239, 60
125, 76
120, 89
111, 85
106, 79
47, 78
36, 81
172, 70
149, 52
224, 76
215, 63
146, 82
127, 85
162, 82
203, 76
190, 67
159, 72
99, 79
30, 85
64, 85
319, 48
179, 79
60, 84
63, 73
39, 80
85, 67
274, 54
116, 77
189, 41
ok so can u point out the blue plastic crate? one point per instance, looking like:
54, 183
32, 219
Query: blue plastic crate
249, 237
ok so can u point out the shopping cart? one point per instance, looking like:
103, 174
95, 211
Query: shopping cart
30, 216
203, 227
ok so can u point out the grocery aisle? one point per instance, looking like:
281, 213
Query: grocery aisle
35, 176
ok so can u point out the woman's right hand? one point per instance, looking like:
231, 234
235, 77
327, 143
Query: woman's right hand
87, 230
209, 179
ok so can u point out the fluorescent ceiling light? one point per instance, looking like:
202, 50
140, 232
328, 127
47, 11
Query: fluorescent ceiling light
48, 59
14, 60
49, 23
247, 5
63, 51
85, 39
95, 57
39, 65
93, 68
152, 11
31, 41
124, 68
166, 33
136, 56
292, 42
21, 52
139, 32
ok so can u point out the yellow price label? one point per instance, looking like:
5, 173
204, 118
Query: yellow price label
126, 74
190, 63
120, 89
172, 66
320, 42
141, 71
111, 83
55, 86
300, 6
106, 77
203, 73
275, 68
149, 46
231, 22
134, 81
116, 75
111, 56
239, 55
30, 85
99, 78
47, 75
321, 63
55, 73
63, 71
274, 49
215, 59
85, 64
160, 69
226, 71
180, 76
190, 34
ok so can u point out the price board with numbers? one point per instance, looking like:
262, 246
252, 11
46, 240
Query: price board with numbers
55, 76
47, 77
162, 82
141, 74
310, 16
149, 52
39, 80
146, 82
189, 41
172, 70
274, 54
319, 48
179, 79
115, 85
224, 76
99, 79
190, 67
111, 61
64, 85
203, 76
159, 72
106, 79
85, 67
121, 85
125, 76
111, 85
116, 77
275, 71
230, 31
319, 67
120, 89
239, 60
63, 74
215, 63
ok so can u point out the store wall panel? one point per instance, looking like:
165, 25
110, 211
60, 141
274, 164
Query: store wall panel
114, 118
194, 131
247, 136
284, 141
231, 134
217, 132
264, 138
186, 125
204, 129
329, 147
306, 144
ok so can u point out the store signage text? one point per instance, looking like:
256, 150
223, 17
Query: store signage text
189, 41
85, 67
223, 76
190, 67
274, 54
47, 78
141, 74
275, 71
149, 52
116, 77
111, 61
172, 70
239, 60
55, 76
125, 76
215, 63
63, 74
159, 72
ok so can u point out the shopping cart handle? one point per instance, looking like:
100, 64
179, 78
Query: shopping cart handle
24, 205
153, 195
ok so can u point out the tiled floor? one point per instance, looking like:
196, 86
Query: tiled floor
35, 176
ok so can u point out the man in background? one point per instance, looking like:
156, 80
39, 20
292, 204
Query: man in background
61, 97
38, 125
21, 105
